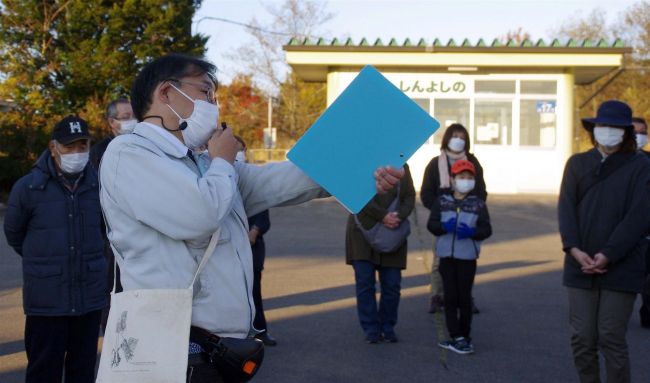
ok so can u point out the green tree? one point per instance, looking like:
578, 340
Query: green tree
60, 57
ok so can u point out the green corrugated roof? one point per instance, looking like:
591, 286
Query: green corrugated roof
466, 43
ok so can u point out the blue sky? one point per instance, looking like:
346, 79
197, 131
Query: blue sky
429, 19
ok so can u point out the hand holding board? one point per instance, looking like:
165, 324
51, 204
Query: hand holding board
371, 124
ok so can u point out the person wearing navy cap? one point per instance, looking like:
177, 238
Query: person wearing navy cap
604, 216
53, 222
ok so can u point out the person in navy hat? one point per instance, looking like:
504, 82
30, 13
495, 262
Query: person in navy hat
604, 216
53, 221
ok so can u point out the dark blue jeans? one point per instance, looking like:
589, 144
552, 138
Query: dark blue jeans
375, 321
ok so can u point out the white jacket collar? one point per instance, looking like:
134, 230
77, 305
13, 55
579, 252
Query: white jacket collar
163, 139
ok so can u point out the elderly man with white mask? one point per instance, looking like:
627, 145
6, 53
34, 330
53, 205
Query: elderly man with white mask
53, 222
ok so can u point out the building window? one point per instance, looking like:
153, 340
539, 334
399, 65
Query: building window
539, 87
537, 123
450, 111
493, 122
495, 87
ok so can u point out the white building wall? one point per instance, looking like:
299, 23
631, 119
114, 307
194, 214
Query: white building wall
509, 168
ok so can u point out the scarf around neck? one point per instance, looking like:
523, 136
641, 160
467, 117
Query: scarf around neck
443, 166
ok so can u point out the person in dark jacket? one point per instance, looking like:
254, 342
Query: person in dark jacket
460, 221
378, 323
604, 217
259, 224
53, 221
119, 117
641, 133
436, 182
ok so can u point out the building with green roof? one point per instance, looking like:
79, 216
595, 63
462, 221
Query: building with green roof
515, 99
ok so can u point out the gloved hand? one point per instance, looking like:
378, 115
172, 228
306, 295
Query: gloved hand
463, 231
450, 225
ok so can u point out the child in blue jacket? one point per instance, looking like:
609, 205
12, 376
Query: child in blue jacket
460, 222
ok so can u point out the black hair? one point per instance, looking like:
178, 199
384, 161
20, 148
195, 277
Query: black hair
168, 67
629, 140
451, 129
111, 109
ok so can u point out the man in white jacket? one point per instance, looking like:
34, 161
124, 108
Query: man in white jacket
161, 210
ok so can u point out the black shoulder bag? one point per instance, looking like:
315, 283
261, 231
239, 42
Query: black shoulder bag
237, 360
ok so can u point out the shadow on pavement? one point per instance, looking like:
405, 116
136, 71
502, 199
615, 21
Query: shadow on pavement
484, 269
522, 336
321, 296
9, 348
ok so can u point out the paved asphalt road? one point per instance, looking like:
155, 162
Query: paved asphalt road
521, 334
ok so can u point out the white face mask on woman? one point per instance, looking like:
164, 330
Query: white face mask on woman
641, 140
201, 124
456, 144
608, 136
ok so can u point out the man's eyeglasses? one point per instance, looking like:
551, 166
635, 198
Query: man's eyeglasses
207, 90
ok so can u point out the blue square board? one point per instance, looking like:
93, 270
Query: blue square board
371, 124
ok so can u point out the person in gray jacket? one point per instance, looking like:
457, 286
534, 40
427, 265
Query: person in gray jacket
604, 217
460, 221
161, 209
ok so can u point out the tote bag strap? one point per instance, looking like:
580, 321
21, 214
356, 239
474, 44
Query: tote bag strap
206, 256
107, 228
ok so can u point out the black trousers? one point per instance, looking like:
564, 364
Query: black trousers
260, 320
457, 281
62, 343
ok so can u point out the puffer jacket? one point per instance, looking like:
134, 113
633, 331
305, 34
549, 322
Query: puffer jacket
471, 211
58, 234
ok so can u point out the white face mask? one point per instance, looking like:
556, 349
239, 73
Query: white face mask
241, 156
641, 140
73, 163
464, 186
608, 136
201, 124
127, 126
456, 144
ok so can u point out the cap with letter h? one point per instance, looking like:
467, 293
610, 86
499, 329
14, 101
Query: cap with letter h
70, 129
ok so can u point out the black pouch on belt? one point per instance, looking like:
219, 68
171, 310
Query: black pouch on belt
236, 359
